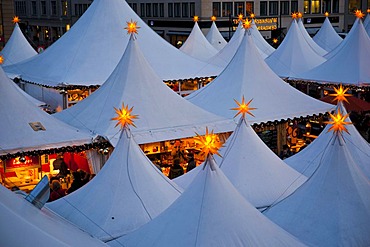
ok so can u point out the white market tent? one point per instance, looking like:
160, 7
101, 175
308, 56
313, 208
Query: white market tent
17, 48
333, 207
367, 23
197, 46
88, 53
211, 212
164, 115
25, 127
128, 192
260, 176
265, 48
215, 38
248, 75
358, 146
294, 55
23, 224
318, 49
327, 37
346, 64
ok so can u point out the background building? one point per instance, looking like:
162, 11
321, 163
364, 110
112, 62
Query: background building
6, 17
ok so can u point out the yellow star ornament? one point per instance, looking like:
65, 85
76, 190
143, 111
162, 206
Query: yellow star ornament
359, 14
338, 122
209, 143
243, 108
132, 27
340, 94
124, 116
15, 19
247, 24
1, 59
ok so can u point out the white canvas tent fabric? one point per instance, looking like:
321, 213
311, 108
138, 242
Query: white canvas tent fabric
318, 49
248, 75
260, 176
358, 146
197, 46
17, 48
88, 53
265, 48
211, 212
333, 207
327, 37
215, 38
294, 55
367, 24
164, 115
128, 192
346, 64
18, 113
25, 225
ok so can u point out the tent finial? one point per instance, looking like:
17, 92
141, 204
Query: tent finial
124, 117
300, 15
338, 122
16, 19
243, 108
132, 27
294, 15
326, 14
359, 14
253, 15
209, 143
340, 94
240, 17
247, 24
195, 18
213, 18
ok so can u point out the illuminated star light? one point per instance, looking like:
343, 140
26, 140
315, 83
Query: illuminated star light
247, 24
195, 18
15, 19
132, 27
359, 14
253, 15
299, 15
294, 15
340, 94
213, 18
1, 59
243, 108
240, 17
338, 122
209, 143
124, 117
326, 14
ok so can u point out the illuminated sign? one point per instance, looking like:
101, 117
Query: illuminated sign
263, 24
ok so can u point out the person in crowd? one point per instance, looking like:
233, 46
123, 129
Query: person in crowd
191, 162
56, 191
176, 170
60, 165
77, 182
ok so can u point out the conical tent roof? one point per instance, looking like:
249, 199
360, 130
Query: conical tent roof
256, 172
164, 115
211, 212
358, 146
367, 23
197, 46
318, 49
88, 53
260, 41
25, 225
348, 63
294, 55
333, 207
128, 192
20, 116
247, 74
215, 38
327, 37
17, 48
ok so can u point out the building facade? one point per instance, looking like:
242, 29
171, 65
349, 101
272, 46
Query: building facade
6, 18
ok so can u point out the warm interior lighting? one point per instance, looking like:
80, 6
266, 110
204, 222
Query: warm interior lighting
132, 27
247, 24
124, 117
209, 143
275, 40
326, 14
243, 108
213, 18
68, 27
340, 94
359, 14
195, 18
338, 122
16, 19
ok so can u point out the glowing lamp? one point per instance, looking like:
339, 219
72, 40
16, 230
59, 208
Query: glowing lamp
294, 15
1, 59
124, 116
15, 19
340, 94
368, 11
253, 15
240, 17
195, 18
243, 108
299, 15
132, 27
213, 18
326, 14
209, 143
359, 14
338, 122
275, 40
247, 24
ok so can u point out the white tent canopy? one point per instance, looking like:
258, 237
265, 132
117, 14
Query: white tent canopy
128, 192
215, 38
88, 53
327, 37
25, 127
17, 48
294, 55
318, 49
164, 115
197, 46
211, 212
256, 172
248, 75
265, 48
348, 63
333, 207
25, 225
367, 24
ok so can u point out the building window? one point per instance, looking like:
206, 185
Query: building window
216, 9
263, 8
142, 9
335, 6
43, 7
20, 8
326, 4
227, 9
185, 10
239, 8
192, 9
134, 7
306, 6
65, 8
249, 8
155, 9
148, 10
161, 10
294, 6
80, 9
353, 5
315, 6
170, 10
284, 8
273, 7
177, 10
33, 8
53, 8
